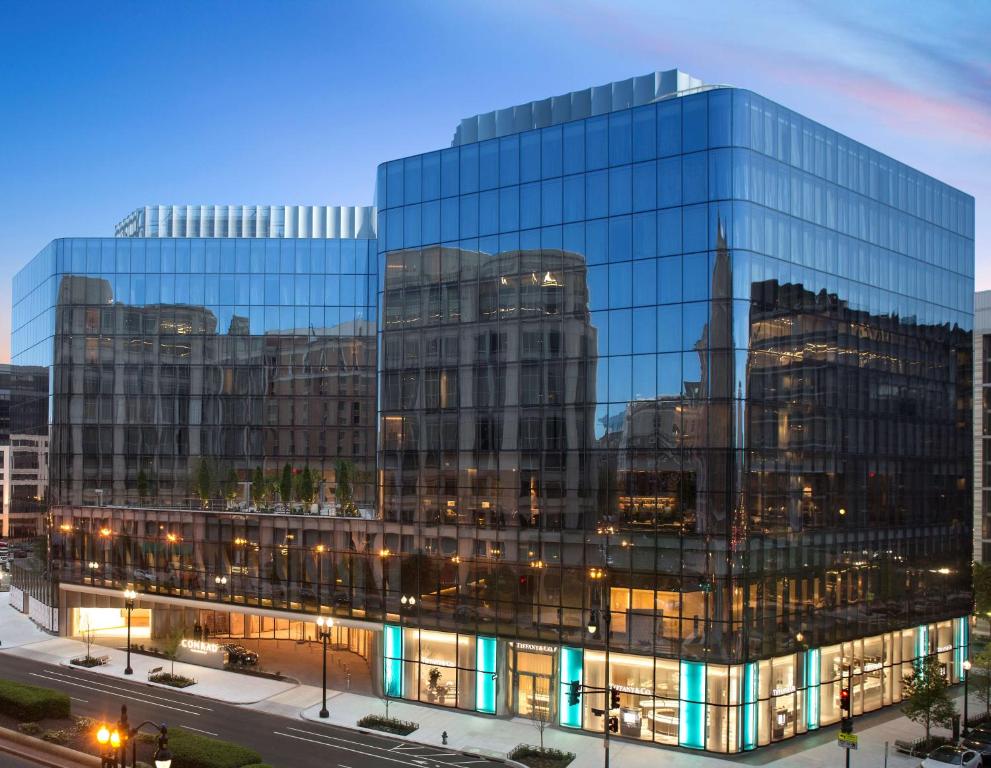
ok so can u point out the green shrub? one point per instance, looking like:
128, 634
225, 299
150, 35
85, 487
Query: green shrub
190, 750
29, 729
31, 703
388, 724
56, 737
538, 757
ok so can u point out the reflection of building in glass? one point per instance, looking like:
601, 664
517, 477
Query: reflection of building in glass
682, 359
24, 445
982, 426
487, 391
199, 365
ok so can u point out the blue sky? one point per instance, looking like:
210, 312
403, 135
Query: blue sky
105, 107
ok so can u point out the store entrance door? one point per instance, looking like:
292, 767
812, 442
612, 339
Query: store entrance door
533, 696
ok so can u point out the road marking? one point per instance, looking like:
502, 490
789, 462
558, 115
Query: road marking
129, 698
114, 689
346, 749
76, 698
200, 730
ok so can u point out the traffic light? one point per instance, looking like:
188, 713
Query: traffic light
614, 725
613, 698
845, 702
574, 692
846, 722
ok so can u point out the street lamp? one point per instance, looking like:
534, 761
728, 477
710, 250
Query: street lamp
129, 597
324, 625
108, 759
966, 671
221, 582
162, 757
319, 549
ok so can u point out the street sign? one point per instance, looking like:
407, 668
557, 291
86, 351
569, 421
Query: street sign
847, 740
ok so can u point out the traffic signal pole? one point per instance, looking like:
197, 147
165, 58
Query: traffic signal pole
846, 722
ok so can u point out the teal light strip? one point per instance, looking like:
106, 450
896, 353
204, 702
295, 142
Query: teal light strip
812, 680
962, 649
392, 658
921, 644
691, 728
485, 674
748, 729
571, 669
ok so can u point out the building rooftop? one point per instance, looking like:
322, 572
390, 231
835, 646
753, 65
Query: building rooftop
576, 105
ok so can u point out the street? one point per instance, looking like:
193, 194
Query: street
284, 742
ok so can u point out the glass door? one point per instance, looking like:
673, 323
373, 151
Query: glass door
533, 696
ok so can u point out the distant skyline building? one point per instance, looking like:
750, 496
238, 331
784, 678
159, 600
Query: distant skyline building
657, 387
264, 221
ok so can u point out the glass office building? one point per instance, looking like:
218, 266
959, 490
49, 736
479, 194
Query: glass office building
693, 364
183, 370
658, 359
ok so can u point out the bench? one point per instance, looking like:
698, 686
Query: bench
154, 671
103, 660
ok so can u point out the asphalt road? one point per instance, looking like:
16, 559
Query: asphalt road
283, 742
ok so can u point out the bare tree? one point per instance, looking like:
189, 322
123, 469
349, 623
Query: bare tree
540, 715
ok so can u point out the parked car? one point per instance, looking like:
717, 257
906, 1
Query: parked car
342, 600
952, 755
980, 743
238, 654
465, 613
144, 575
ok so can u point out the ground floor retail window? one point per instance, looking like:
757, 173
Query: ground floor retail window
110, 622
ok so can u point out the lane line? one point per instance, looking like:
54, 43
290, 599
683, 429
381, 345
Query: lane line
397, 748
346, 749
76, 698
114, 689
200, 730
129, 698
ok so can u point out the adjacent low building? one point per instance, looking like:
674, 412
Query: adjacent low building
663, 374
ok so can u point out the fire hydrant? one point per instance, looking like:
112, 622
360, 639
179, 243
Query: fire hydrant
443, 737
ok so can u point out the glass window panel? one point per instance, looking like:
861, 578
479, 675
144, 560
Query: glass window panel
596, 194
695, 134
488, 164
550, 151
620, 285
644, 132
644, 283
645, 186
645, 235
509, 208
551, 202
509, 160
530, 156
695, 178
620, 190
574, 198
574, 147
596, 143
620, 137
669, 127
669, 231
620, 238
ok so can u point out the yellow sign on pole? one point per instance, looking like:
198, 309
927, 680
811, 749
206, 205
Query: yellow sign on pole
847, 740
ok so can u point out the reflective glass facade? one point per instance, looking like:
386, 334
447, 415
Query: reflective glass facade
181, 368
696, 372
702, 363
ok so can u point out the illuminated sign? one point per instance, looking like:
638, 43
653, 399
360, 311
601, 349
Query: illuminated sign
198, 646
872, 666
534, 647
783, 691
944, 648
633, 689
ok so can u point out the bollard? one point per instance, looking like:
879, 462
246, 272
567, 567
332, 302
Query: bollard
443, 738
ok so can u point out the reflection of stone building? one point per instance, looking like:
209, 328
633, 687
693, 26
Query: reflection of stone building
488, 389
146, 394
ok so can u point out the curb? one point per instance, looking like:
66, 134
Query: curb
33, 746
161, 686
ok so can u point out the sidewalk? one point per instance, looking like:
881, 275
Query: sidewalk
470, 732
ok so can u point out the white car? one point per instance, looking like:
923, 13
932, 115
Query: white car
952, 755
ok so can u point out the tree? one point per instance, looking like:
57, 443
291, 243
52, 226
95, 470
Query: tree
232, 483
172, 644
258, 486
142, 484
540, 714
204, 480
344, 477
925, 693
305, 489
981, 677
285, 486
